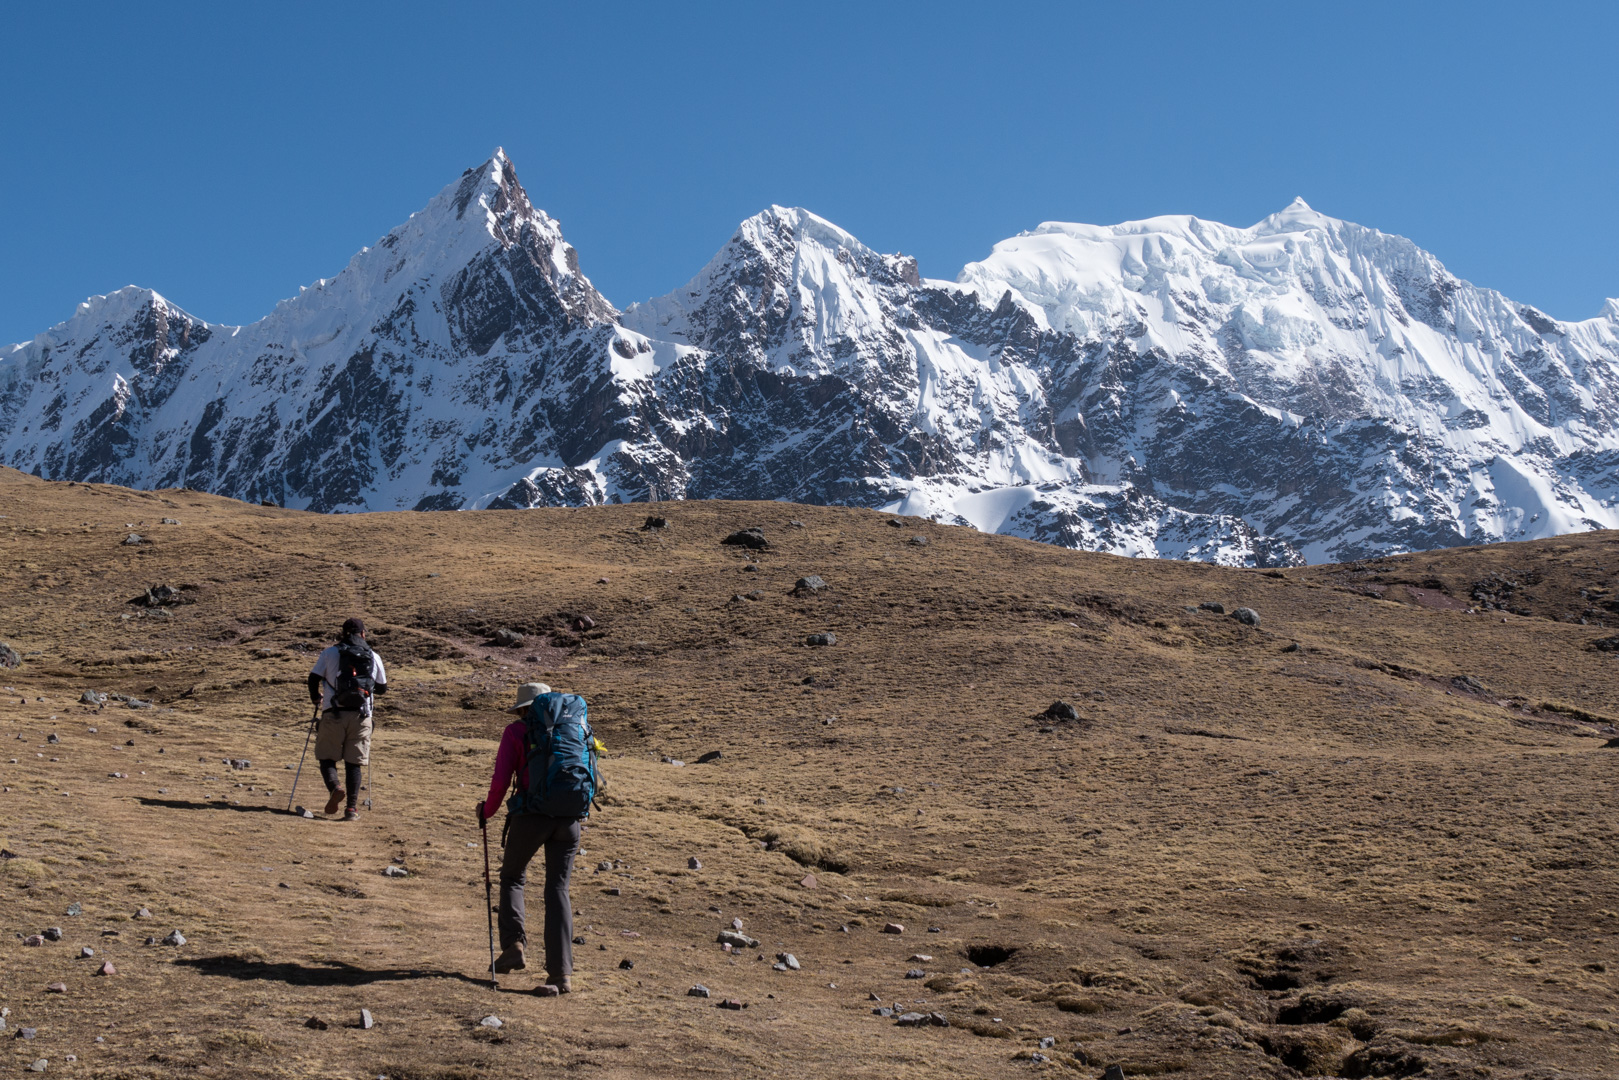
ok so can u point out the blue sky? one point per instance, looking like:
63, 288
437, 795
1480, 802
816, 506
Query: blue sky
226, 154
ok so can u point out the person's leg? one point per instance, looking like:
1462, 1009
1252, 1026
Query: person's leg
328, 751
356, 752
560, 847
523, 839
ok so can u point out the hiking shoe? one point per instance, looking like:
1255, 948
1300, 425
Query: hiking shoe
351, 814
510, 959
336, 801
563, 984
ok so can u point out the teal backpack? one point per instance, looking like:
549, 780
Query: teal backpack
560, 751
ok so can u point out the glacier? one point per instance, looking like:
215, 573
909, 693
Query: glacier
1305, 389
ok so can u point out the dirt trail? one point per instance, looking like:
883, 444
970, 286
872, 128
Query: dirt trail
1370, 837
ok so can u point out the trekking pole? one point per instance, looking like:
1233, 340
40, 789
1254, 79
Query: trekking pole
313, 720
488, 902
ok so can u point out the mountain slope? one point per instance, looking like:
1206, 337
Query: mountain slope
1305, 388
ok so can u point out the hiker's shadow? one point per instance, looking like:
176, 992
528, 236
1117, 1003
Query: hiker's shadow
323, 973
192, 804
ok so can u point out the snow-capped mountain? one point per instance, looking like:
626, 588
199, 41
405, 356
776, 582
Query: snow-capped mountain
1305, 388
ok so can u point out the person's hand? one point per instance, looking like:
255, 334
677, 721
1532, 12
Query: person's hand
481, 818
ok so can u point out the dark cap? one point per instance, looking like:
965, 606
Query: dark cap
353, 626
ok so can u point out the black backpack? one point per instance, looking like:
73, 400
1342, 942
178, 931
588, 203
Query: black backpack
354, 684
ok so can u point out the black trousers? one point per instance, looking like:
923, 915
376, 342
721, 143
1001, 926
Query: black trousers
525, 835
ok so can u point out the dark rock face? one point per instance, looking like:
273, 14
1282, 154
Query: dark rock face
1173, 388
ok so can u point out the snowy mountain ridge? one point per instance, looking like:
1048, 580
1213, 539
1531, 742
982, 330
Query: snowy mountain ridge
1305, 388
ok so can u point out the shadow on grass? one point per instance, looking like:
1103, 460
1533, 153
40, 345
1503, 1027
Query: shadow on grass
323, 973
192, 804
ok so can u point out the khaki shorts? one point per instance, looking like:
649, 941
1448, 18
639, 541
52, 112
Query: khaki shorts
345, 735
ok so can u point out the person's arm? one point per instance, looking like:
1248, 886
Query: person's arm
506, 761
379, 675
314, 688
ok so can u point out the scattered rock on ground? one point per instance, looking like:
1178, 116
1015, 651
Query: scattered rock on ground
175, 938
809, 584
395, 871
56, 988
821, 639
143, 914
731, 1003
53, 933
698, 991
1061, 710
491, 1022
655, 522
788, 961
694, 863
753, 538
90, 697
106, 968
366, 1022
34, 939
894, 928
316, 1023
916, 1019
712, 755
1247, 616
626, 965
737, 940
919, 540
133, 540
86, 952
546, 990
507, 638
9, 657
916, 973
808, 882
1214, 606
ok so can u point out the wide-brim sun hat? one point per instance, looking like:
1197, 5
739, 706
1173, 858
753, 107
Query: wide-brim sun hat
527, 693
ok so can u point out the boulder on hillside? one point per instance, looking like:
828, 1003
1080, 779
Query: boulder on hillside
753, 538
9, 657
1247, 616
810, 584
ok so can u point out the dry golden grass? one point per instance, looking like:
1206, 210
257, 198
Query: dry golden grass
1241, 861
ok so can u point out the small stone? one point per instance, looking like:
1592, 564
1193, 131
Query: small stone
788, 961
27, 1033
894, 928
546, 990
698, 991
1038, 1057
106, 968
1061, 710
34, 939
614, 891
712, 755
810, 584
818, 640
366, 1022
86, 952
40, 1065
507, 638
1247, 616
170, 521
305, 813
921, 958
731, 1003
1047, 1043
1113, 1072
881, 1010
132, 540
143, 914
694, 863
579, 940
56, 988
676, 762
90, 697
53, 933
737, 940
175, 938
491, 1022
808, 882
604, 865
395, 871
911, 1019
916, 973
626, 965
1214, 606
736, 924
918, 540
53, 737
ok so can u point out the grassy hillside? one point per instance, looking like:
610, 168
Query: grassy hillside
1369, 837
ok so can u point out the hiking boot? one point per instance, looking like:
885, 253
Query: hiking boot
510, 959
336, 801
351, 814
563, 984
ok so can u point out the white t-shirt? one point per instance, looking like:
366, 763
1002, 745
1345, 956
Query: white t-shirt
326, 668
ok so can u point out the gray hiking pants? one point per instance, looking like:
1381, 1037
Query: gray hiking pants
525, 835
